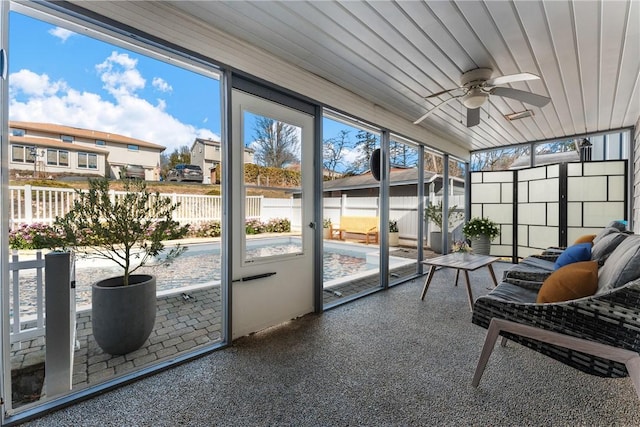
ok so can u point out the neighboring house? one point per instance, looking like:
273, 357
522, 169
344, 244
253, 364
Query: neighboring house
55, 149
207, 154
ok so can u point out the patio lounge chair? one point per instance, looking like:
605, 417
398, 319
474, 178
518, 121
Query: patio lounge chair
597, 334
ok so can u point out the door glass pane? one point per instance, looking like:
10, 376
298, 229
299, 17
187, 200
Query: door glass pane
172, 109
351, 229
272, 187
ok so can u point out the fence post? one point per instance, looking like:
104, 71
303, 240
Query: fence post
61, 320
343, 205
28, 204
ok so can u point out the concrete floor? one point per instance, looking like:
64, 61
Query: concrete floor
389, 359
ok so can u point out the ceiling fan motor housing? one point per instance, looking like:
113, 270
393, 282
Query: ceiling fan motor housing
475, 78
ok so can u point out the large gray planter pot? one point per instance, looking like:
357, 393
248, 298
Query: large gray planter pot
481, 245
123, 316
436, 241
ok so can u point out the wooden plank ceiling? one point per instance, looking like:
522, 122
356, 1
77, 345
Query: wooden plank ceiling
587, 54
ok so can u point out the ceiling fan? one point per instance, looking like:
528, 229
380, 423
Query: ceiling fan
477, 85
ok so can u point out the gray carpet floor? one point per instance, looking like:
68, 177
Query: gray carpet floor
385, 360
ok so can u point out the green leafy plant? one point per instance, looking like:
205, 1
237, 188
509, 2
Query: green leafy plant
393, 226
481, 227
461, 246
326, 223
434, 213
129, 230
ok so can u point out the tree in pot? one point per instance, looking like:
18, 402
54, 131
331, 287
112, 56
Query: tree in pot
481, 231
434, 213
129, 230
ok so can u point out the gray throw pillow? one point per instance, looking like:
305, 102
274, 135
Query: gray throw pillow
622, 266
603, 247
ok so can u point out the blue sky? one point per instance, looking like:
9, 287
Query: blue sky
66, 78
58, 76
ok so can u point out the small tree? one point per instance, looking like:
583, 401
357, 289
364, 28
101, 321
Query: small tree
434, 213
122, 229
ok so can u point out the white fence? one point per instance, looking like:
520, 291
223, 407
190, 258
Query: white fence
29, 204
28, 327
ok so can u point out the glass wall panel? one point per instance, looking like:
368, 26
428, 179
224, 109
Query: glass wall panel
351, 225
63, 82
403, 209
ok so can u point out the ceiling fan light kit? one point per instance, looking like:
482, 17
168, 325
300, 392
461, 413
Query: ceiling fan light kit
477, 86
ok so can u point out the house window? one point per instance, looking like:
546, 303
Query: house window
87, 161
101, 142
133, 147
57, 157
17, 132
66, 138
22, 154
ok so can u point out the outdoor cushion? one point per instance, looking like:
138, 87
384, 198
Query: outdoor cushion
575, 253
603, 247
587, 238
538, 263
512, 293
622, 266
605, 232
573, 281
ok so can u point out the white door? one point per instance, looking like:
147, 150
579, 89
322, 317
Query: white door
272, 272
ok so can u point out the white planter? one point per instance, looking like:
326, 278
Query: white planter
394, 239
481, 245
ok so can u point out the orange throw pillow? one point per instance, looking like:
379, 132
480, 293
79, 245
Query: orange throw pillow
587, 238
573, 281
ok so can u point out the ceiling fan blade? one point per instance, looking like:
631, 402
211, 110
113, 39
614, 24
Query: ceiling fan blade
501, 80
521, 95
473, 117
441, 93
428, 113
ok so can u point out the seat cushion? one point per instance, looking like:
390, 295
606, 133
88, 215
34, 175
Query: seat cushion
573, 281
512, 293
575, 253
602, 248
622, 266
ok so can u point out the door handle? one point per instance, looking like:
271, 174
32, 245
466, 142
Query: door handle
312, 225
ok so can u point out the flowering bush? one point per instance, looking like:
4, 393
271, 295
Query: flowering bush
206, 229
393, 226
278, 225
481, 227
254, 226
36, 236
122, 229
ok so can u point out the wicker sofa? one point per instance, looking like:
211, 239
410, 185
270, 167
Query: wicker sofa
598, 334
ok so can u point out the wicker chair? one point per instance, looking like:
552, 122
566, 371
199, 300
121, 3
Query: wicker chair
599, 335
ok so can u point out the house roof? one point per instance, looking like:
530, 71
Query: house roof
397, 177
83, 133
55, 143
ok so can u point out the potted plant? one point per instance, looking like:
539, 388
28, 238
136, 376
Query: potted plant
129, 230
394, 235
434, 214
481, 231
326, 228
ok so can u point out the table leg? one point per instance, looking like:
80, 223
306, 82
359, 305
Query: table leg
466, 276
432, 270
493, 275
457, 275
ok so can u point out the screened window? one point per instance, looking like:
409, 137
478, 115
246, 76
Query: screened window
66, 138
17, 132
133, 147
101, 142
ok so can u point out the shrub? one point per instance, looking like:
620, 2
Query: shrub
206, 229
278, 225
36, 236
481, 227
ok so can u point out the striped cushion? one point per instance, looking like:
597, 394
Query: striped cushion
622, 266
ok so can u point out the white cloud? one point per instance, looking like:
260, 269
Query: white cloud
161, 85
61, 33
34, 97
119, 74
28, 83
